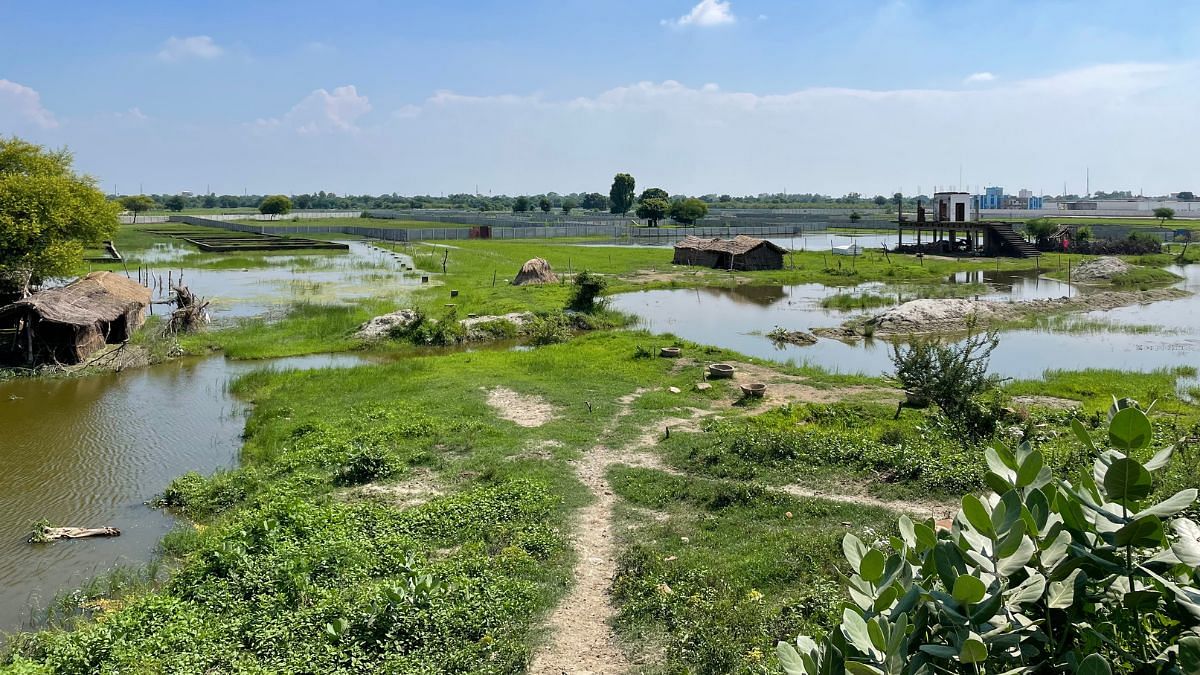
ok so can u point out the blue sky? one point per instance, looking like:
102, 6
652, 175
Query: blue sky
739, 96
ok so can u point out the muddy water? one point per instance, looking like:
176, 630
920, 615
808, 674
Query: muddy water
90, 451
739, 318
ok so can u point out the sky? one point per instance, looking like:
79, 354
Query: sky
526, 97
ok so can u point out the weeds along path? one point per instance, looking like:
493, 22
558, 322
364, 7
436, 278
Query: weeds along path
850, 495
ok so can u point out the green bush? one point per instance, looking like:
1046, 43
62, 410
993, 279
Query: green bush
549, 329
1040, 575
588, 287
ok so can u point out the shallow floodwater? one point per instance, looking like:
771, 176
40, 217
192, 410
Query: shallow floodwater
740, 317
90, 452
363, 271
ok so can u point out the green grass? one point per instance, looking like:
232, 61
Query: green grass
303, 328
721, 571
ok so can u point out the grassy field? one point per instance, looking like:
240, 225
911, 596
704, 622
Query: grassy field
437, 510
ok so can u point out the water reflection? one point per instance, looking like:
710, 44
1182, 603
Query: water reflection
90, 451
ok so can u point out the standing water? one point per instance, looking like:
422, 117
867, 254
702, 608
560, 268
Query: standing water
90, 452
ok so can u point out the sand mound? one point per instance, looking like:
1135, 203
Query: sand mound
918, 316
1100, 268
381, 326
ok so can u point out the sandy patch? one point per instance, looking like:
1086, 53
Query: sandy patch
783, 388
525, 410
1045, 402
849, 493
412, 492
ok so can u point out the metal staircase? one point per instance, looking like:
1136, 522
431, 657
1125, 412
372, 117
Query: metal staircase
1013, 242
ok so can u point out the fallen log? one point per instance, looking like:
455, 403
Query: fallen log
54, 533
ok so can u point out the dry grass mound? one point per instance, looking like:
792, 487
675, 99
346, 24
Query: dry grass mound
535, 271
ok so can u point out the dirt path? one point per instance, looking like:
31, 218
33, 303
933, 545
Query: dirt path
851, 495
583, 641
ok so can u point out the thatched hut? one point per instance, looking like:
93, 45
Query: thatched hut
69, 323
739, 253
535, 271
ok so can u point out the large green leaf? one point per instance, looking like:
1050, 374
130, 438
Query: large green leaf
1030, 468
1187, 543
793, 661
860, 668
1160, 458
1012, 563
871, 567
1082, 434
854, 549
1141, 533
1130, 429
855, 630
977, 515
1093, 664
1174, 504
1189, 655
973, 650
1061, 594
969, 590
1127, 480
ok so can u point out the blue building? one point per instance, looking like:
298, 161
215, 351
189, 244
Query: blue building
994, 198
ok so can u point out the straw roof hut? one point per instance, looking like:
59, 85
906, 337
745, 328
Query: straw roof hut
67, 324
535, 271
739, 253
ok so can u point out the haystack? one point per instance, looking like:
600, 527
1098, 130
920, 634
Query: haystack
69, 323
536, 271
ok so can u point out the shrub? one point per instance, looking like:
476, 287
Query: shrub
1040, 575
588, 287
549, 329
954, 377
433, 332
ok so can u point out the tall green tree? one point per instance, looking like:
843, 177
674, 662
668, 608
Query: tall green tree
1164, 213
275, 205
620, 197
521, 204
568, 204
594, 201
688, 211
176, 203
654, 193
136, 204
48, 215
653, 210
544, 205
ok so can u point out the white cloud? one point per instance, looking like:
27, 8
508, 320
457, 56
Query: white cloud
323, 111
705, 13
974, 78
194, 47
134, 114
22, 105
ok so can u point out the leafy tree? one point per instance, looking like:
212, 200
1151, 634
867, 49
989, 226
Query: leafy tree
620, 197
855, 216
952, 376
275, 205
1164, 213
1041, 575
521, 204
653, 210
880, 200
544, 205
654, 193
48, 215
229, 201
176, 203
304, 201
568, 204
724, 199
688, 211
594, 201
1039, 229
136, 204
209, 201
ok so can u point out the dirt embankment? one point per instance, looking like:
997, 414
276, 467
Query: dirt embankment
919, 317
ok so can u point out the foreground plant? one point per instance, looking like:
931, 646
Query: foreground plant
1040, 575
